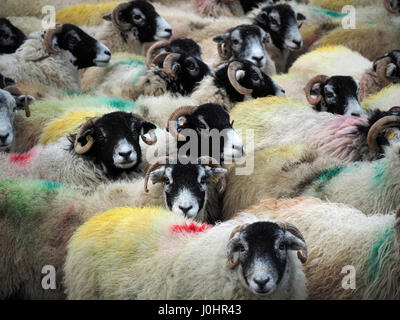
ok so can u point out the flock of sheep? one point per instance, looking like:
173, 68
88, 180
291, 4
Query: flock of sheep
96, 179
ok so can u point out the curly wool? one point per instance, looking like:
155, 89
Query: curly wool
385, 99
339, 236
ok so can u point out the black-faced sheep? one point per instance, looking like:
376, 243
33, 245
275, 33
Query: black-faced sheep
11, 38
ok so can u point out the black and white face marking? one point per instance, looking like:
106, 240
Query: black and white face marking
86, 51
184, 46
207, 120
250, 77
339, 96
247, 43
11, 37
5, 81
9, 107
147, 24
281, 22
185, 186
116, 141
263, 251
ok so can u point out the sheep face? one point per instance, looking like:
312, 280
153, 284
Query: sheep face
185, 186
9, 107
185, 73
10, 37
116, 141
246, 43
339, 95
262, 248
86, 51
281, 22
146, 25
5, 81
204, 122
250, 77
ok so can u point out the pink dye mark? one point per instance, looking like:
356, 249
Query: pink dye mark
23, 159
192, 227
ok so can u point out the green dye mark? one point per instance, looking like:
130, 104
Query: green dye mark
330, 13
118, 103
383, 243
329, 174
132, 63
50, 185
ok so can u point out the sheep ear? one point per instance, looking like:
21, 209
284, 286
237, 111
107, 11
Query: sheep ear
215, 172
316, 90
158, 175
22, 100
232, 247
293, 242
147, 126
84, 138
240, 74
301, 17
107, 17
391, 67
221, 37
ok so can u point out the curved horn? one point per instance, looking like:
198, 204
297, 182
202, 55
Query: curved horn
160, 161
391, 121
159, 57
389, 8
302, 254
381, 72
224, 50
317, 79
15, 92
48, 38
168, 61
79, 149
233, 264
122, 26
215, 164
156, 46
173, 118
234, 66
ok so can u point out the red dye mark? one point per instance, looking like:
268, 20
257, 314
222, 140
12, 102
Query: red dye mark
192, 227
22, 158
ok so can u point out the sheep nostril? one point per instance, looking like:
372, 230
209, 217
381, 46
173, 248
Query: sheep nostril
125, 154
185, 210
297, 43
107, 53
168, 30
258, 59
262, 282
355, 114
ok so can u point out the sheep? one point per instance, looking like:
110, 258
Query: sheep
54, 57
177, 73
385, 70
11, 38
103, 149
11, 100
130, 26
369, 186
256, 274
340, 236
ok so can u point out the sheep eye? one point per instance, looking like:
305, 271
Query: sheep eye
282, 246
235, 41
273, 21
166, 181
241, 248
191, 66
137, 17
329, 95
203, 180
